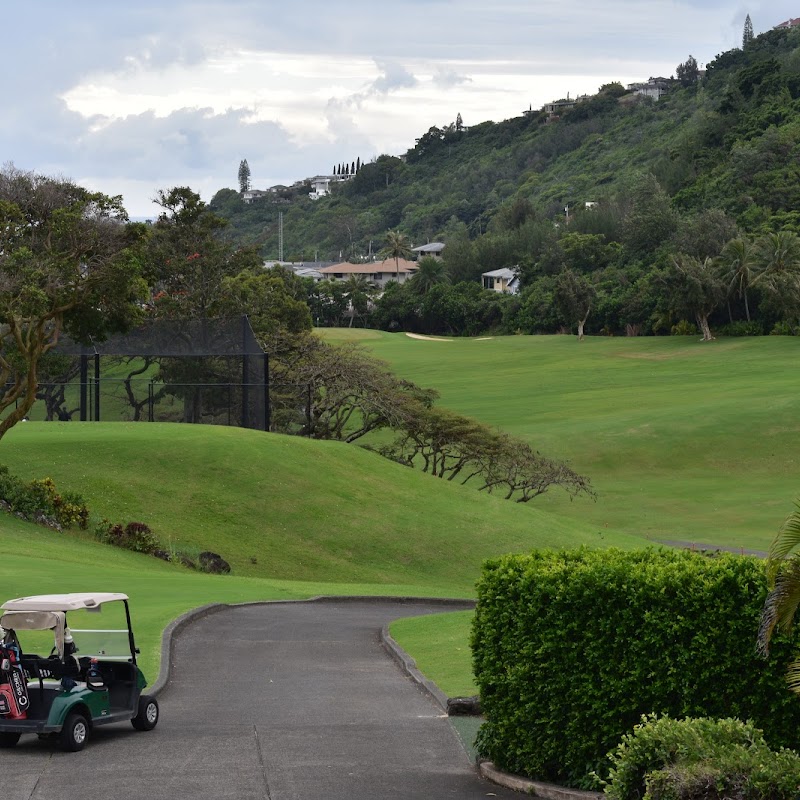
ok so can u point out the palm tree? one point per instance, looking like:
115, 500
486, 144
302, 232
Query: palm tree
778, 261
358, 291
783, 572
430, 272
737, 265
397, 247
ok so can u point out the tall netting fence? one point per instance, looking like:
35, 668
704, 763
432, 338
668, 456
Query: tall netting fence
192, 371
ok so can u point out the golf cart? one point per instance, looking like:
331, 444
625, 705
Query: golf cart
89, 677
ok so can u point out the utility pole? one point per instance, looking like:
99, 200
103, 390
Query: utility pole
280, 236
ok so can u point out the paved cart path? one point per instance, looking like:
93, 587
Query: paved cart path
284, 702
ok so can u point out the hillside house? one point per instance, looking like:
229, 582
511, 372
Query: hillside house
790, 23
655, 88
321, 184
501, 280
432, 249
379, 273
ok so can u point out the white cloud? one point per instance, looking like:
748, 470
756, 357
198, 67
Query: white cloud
133, 98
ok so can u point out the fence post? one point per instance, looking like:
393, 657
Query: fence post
97, 387
84, 385
245, 375
267, 409
308, 410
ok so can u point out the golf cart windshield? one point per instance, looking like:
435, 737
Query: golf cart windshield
99, 635
108, 644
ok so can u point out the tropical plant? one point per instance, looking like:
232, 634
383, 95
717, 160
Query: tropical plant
430, 272
783, 575
778, 260
737, 264
397, 246
358, 291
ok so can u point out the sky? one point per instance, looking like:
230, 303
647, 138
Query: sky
133, 98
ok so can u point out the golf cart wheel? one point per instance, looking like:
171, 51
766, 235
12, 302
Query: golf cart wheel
147, 718
9, 739
75, 733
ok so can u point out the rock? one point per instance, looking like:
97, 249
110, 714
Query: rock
213, 563
464, 706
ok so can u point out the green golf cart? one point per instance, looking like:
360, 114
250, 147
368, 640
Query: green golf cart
88, 678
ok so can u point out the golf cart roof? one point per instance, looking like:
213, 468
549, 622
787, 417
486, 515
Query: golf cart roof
62, 602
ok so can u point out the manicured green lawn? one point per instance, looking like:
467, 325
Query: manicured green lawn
287, 508
682, 440
439, 643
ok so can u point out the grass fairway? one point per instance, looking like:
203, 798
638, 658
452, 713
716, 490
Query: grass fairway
682, 439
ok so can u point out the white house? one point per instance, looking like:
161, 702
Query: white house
654, 87
501, 280
432, 249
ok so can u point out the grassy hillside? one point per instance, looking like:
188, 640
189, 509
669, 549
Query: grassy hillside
34, 560
682, 440
287, 508
728, 142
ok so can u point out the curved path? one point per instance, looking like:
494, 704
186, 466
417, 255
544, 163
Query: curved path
295, 701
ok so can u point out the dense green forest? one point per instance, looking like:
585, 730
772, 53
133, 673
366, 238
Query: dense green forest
695, 210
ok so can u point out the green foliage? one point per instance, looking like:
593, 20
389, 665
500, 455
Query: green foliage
38, 501
571, 648
135, 536
694, 759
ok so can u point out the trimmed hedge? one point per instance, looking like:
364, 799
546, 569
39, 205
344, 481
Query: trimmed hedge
571, 648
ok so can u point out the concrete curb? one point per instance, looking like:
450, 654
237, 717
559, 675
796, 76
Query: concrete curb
548, 791
409, 667
407, 664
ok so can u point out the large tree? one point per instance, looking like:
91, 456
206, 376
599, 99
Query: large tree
573, 296
68, 263
693, 289
244, 176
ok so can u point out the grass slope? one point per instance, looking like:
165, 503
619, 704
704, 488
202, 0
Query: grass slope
285, 507
34, 560
682, 440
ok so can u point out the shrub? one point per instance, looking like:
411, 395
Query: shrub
571, 648
683, 328
742, 328
38, 501
135, 536
783, 329
695, 759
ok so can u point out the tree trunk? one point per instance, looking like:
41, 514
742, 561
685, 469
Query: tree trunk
746, 306
702, 321
582, 323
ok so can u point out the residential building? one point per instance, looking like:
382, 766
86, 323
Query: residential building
655, 88
501, 280
378, 273
432, 249
790, 23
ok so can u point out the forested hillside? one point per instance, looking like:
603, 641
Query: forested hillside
711, 167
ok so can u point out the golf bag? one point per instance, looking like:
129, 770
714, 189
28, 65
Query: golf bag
14, 700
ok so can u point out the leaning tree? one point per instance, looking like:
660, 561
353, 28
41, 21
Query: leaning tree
68, 263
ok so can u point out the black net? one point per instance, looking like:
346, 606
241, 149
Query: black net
195, 371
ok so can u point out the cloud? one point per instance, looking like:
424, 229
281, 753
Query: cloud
136, 97
447, 78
